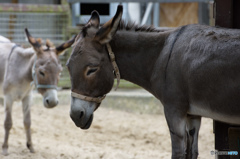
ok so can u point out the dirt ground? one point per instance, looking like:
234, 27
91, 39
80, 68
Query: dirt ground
114, 134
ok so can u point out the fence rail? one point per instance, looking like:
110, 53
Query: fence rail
43, 21
41, 25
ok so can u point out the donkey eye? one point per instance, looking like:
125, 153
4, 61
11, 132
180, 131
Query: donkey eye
41, 73
91, 71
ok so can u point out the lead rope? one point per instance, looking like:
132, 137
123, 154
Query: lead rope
114, 64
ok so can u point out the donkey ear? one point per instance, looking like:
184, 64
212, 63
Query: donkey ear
94, 20
106, 32
60, 49
35, 43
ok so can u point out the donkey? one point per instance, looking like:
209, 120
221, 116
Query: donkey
20, 69
194, 70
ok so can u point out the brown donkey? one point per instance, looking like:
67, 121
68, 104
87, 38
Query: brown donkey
194, 70
20, 69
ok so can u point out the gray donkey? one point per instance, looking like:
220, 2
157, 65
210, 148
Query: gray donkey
194, 70
20, 70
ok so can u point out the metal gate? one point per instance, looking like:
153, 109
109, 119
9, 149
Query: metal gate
43, 21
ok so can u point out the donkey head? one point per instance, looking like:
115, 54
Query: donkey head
46, 68
90, 68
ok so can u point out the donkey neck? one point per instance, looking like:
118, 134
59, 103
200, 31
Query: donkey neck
136, 54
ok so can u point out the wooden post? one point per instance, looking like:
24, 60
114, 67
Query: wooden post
11, 23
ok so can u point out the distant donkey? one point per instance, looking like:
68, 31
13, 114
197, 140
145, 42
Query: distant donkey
194, 70
20, 69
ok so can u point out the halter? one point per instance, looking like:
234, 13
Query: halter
35, 80
116, 72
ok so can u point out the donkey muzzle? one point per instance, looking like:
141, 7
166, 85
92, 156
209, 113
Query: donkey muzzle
82, 112
50, 98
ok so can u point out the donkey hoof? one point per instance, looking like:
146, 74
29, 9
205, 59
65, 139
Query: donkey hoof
32, 150
4, 151
30, 147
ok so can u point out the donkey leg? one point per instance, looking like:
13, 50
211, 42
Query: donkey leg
193, 126
7, 123
177, 126
27, 121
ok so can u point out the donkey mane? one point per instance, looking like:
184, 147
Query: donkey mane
128, 26
131, 26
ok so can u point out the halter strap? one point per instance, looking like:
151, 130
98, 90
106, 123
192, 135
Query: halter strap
114, 64
87, 98
35, 80
117, 74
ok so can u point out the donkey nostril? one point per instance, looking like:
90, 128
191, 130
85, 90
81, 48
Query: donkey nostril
47, 101
81, 114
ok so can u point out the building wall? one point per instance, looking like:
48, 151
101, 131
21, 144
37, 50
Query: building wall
178, 14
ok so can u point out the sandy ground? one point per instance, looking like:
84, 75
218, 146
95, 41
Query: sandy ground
114, 134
